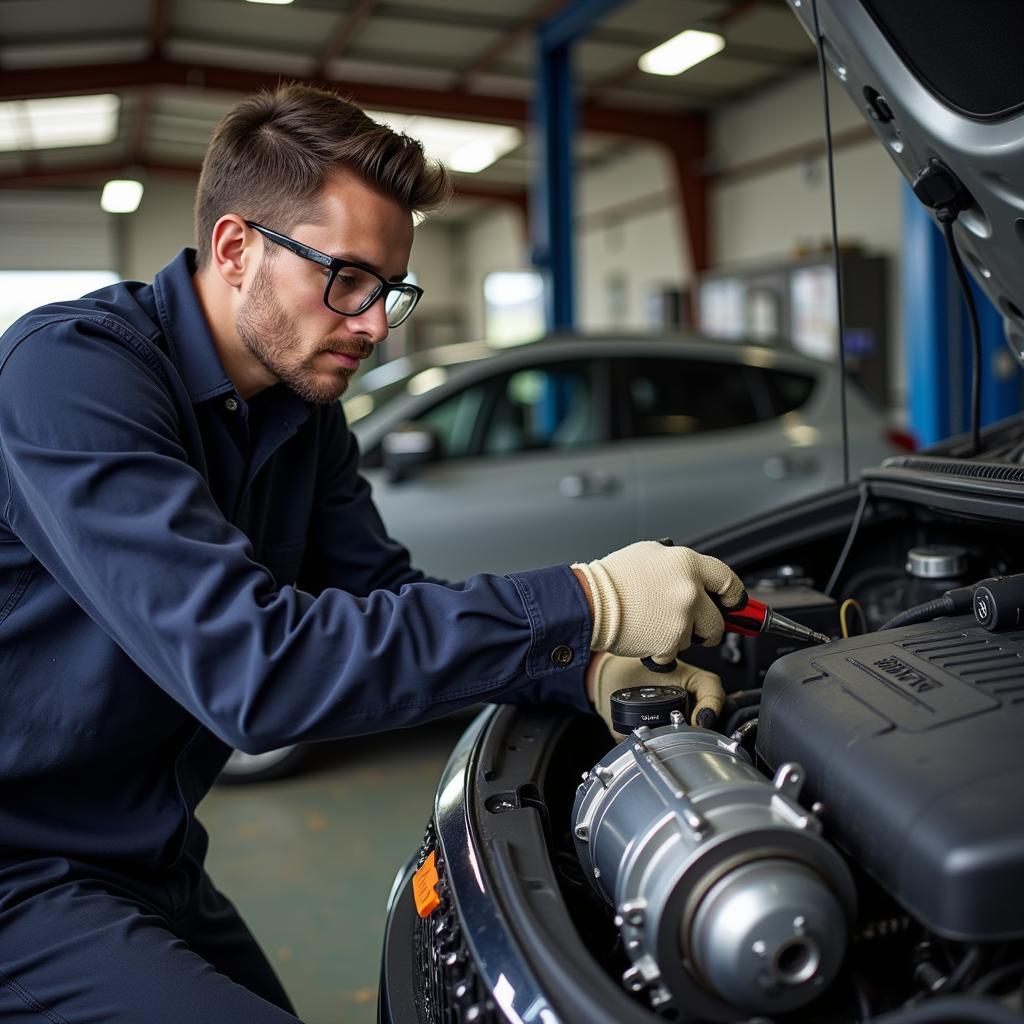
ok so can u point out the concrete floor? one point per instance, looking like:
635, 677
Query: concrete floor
309, 860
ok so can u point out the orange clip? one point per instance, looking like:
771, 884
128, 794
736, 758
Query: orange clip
424, 887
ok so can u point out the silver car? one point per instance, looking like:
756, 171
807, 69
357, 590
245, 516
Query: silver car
492, 460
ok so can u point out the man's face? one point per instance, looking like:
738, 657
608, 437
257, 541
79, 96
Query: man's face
282, 320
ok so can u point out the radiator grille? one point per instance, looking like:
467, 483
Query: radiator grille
450, 988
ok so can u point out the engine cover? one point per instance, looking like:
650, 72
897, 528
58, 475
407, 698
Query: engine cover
911, 738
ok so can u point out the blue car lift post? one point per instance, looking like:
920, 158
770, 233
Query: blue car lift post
938, 338
551, 206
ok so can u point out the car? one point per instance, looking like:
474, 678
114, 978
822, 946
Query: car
844, 844
494, 460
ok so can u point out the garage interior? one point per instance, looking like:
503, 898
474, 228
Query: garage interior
654, 204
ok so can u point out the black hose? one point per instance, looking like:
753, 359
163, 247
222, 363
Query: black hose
742, 699
958, 601
997, 977
921, 613
953, 1010
850, 537
740, 717
956, 977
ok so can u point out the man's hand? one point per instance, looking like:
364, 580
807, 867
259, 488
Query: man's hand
607, 673
649, 600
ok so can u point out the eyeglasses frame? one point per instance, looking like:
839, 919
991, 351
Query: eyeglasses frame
335, 266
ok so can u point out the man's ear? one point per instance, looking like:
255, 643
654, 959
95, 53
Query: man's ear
233, 248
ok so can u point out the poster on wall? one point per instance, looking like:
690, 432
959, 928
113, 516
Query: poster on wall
721, 307
812, 295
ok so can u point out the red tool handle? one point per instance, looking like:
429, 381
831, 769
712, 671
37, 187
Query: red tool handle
746, 618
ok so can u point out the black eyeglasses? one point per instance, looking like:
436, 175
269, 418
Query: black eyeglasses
352, 288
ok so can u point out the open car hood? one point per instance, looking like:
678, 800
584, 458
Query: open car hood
943, 80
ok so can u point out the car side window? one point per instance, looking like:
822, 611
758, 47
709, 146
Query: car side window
549, 406
788, 391
678, 397
455, 420
555, 405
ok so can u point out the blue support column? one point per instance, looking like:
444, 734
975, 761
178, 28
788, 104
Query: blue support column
551, 206
924, 274
937, 338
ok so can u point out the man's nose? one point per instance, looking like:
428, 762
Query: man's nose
372, 322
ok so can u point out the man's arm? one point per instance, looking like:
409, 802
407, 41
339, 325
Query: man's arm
95, 482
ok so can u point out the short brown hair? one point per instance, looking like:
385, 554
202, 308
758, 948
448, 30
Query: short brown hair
270, 156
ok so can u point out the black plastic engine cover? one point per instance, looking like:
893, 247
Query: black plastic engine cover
913, 739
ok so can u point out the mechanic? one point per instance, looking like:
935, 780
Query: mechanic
190, 561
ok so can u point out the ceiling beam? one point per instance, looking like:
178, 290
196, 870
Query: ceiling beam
25, 83
486, 60
338, 43
157, 31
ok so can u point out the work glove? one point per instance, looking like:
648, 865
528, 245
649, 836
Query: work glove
611, 673
652, 601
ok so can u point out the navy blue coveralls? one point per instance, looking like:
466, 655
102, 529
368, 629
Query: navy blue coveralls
182, 572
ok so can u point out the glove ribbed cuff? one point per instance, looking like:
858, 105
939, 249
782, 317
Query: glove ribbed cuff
607, 614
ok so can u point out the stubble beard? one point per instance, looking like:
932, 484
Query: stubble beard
270, 335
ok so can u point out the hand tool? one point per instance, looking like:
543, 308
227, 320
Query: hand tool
748, 617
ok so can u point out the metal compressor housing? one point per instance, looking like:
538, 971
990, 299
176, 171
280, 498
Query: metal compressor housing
726, 895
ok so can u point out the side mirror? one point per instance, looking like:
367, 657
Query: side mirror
405, 448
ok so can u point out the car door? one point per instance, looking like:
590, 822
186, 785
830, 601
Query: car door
526, 476
708, 446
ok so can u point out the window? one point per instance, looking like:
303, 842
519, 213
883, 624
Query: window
678, 397
535, 408
788, 391
24, 290
514, 306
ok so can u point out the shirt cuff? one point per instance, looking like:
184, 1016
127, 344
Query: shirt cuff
561, 625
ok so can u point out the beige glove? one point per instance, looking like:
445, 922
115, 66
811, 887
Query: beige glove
649, 599
610, 673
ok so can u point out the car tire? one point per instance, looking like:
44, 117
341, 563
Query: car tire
273, 764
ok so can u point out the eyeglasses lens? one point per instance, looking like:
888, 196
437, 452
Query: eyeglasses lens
353, 289
398, 305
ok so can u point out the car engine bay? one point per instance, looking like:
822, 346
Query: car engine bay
843, 844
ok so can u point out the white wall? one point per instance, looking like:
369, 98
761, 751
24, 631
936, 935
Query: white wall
783, 212
496, 240
152, 235
629, 233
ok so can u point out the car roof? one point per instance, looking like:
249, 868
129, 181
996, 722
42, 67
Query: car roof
557, 346
913, 70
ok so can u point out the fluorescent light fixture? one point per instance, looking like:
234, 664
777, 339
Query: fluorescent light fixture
121, 196
275, 2
681, 52
59, 122
466, 146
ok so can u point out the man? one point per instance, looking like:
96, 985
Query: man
190, 562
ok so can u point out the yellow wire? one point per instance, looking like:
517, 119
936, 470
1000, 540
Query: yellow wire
849, 603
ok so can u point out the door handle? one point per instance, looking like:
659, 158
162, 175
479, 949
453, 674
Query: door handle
782, 467
587, 485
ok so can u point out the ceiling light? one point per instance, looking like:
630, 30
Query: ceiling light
58, 122
466, 146
121, 196
279, 2
681, 52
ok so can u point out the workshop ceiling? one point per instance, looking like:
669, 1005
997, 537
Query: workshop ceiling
177, 65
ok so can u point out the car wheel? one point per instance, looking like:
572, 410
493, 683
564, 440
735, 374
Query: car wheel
272, 764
